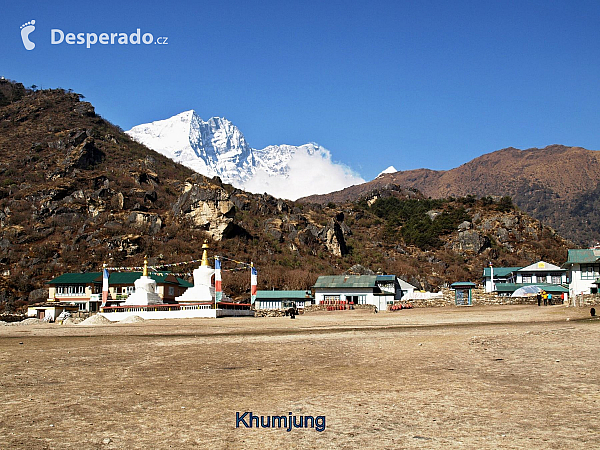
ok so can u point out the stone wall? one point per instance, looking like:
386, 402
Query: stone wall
269, 313
587, 300
478, 297
7, 317
431, 302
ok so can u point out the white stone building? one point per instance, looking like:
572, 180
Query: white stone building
584, 271
377, 290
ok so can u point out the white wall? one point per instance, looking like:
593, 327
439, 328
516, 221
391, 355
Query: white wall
577, 285
275, 304
177, 314
342, 292
380, 301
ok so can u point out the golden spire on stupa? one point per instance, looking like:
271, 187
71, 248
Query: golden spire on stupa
145, 271
205, 253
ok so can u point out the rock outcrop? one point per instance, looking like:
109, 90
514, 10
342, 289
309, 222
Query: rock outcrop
208, 207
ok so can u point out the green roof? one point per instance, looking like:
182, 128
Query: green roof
275, 295
463, 284
585, 255
346, 281
115, 278
512, 287
130, 277
500, 271
76, 278
386, 277
184, 283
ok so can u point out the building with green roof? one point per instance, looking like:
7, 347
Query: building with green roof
376, 290
283, 299
584, 270
506, 280
84, 290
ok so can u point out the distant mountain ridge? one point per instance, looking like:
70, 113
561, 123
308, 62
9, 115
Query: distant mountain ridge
76, 192
558, 185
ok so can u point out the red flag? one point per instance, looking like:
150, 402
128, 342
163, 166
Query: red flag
105, 276
253, 284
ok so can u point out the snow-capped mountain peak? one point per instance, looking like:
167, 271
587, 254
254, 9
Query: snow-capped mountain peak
218, 147
390, 169
214, 147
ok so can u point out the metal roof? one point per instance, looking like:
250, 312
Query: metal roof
583, 255
76, 278
276, 295
463, 284
386, 277
130, 277
405, 285
500, 271
541, 266
117, 278
346, 281
184, 283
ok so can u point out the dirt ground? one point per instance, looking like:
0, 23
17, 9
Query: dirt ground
478, 377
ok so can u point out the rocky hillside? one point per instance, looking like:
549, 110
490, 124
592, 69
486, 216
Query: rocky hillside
76, 192
558, 185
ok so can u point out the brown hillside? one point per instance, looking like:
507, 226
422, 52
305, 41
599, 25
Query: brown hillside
556, 184
76, 192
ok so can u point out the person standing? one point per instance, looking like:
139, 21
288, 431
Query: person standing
539, 299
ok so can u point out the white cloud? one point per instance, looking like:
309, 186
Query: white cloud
308, 175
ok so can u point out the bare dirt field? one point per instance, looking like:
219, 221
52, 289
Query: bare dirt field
479, 377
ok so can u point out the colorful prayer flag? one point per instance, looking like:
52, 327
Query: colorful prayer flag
218, 288
253, 284
105, 276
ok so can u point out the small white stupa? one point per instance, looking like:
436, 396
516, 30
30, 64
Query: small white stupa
145, 290
203, 290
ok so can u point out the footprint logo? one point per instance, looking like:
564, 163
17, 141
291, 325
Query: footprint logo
26, 30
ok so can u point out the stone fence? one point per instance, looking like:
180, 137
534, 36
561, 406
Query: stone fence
587, 300
8, 317
478, 297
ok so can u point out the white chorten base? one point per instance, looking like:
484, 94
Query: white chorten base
197, 294
145, 293
202, 291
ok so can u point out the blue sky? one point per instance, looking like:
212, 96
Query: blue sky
411, 84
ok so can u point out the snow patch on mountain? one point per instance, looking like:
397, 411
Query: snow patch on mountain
390, 169
217, 147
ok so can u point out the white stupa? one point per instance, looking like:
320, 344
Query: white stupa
203, 290
145, 290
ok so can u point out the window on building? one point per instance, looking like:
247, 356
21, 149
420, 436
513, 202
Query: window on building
556, 278
526, 278
387, 286
331, 299
171, 290
589, 271
71, 290
541, 277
